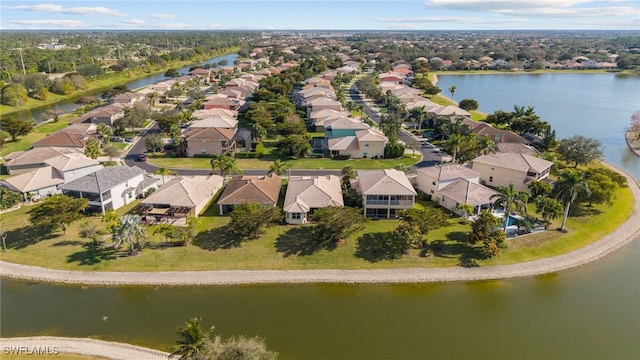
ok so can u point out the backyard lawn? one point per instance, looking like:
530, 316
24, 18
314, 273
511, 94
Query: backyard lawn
292, 247
304, 163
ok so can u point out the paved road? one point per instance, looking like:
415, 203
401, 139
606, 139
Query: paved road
430, 156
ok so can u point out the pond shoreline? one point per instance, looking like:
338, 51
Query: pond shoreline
623, 235
633, 140
53, 345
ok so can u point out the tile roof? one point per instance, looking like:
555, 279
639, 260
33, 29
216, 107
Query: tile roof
517, 161
187, 191
36, 179
384, 182
61, 158
209, 133
464, 191
62, 139
305, 193
103, 180
343, 143
252, 189
215, 121
448, 172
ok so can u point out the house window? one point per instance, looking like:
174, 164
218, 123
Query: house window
366, 144
433, 183
490, 178
295, 216
203, 151
432, 191
126, 184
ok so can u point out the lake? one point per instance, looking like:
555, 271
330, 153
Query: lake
591, 312
597, 105
69, 105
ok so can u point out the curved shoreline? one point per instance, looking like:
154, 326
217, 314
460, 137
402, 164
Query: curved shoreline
623, 235
633, 141
50, 345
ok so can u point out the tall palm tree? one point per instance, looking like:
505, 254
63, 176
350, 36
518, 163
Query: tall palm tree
164, 171
455, 142
511, 200
570, 185
192, 338
418, 114
129, 231
278, 167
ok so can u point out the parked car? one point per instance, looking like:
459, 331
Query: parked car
117, 139
142, 157
128, 139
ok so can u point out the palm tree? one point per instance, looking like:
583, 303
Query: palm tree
452, 90
192, 338
485, 145
225, 164
418, 114
129, 231
164, 171
455, 142
111, 151
511, 200
570, 184
347, 173
278, 167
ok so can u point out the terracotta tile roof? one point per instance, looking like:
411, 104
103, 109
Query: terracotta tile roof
252, 189
62, 139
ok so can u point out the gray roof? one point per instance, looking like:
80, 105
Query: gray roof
104, 179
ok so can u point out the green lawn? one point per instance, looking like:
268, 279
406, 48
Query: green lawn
39, 132
265, 162
280, 246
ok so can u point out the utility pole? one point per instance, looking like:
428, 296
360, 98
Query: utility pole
24, 70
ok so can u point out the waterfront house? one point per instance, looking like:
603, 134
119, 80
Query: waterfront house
384, 192
307, 193
502, 169
263, 190
111, 187
181, 197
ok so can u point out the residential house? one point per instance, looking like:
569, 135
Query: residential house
71, 161
107, 114
62, 139
384, 192
216, 121
366, 143
128, 98
263, 190
182, 196
431, 179
502, 169
111, 187
36, 184
307, 193
498, 136
343, 126
322, 103
220, 101
464, 191
209, 141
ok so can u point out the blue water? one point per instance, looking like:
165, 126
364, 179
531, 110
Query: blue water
597, 105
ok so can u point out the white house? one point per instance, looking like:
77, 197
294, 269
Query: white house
305, 194
111, 187
384, 192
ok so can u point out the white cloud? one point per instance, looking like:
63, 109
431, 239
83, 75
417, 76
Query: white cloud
133, 22
450, 19
81, 10
546, 8
49, 23
162, 16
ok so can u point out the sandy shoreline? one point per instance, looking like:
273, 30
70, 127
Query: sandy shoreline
49, 346
633, 141
623, 235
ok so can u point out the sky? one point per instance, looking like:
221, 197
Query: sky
322, 15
